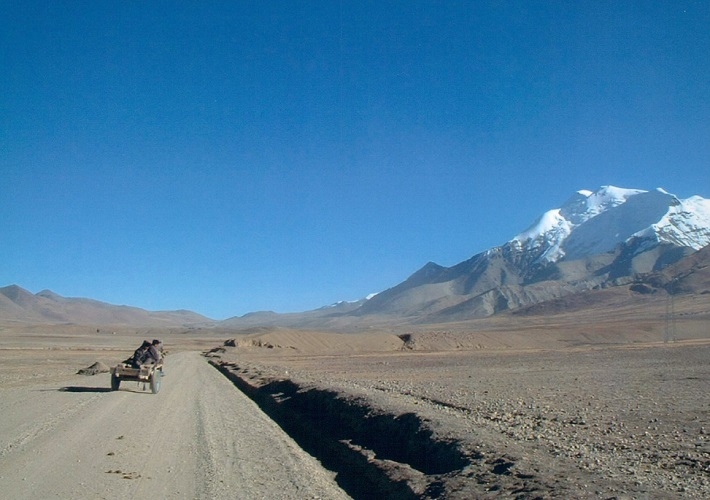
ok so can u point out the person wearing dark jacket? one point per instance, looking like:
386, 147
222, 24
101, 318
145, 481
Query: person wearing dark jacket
141, 355
154, 354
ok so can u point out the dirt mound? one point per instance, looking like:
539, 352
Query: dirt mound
94, 369
308, 342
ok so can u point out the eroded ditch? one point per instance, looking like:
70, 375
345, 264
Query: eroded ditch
374, 454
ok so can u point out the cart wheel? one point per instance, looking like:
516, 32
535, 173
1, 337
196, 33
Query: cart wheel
115, 382
154, 382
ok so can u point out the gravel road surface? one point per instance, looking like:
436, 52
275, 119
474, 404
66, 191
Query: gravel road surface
198, 437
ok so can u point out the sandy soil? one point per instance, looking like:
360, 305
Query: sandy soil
68, 436
546, 410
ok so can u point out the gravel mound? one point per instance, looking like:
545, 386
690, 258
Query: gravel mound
94, 369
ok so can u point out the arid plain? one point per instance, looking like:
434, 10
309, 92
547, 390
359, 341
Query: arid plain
608, 401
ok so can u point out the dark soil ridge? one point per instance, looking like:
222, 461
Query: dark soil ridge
374, 454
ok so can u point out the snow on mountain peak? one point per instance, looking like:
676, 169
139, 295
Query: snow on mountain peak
345, 302
686, 223
595, 222
605, 198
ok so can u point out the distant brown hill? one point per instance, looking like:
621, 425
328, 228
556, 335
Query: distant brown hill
18, 305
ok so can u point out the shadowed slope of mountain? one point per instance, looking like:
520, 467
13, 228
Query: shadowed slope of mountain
690, 275
20, 305
688, 279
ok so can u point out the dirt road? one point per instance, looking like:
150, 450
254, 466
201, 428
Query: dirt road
198, 437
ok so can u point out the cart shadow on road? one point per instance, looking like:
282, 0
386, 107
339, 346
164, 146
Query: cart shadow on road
78, 388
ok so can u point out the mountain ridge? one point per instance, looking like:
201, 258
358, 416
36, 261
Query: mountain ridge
22, 306
595, 240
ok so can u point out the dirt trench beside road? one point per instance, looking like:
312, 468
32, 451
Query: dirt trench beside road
199, 437
624, 422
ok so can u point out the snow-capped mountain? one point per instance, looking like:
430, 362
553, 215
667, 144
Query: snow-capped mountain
590, 223
595, 239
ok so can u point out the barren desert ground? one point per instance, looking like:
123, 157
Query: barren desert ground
64, 435
548, 410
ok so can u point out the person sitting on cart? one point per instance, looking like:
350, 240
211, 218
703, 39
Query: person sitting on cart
152, 356
146, 354
155, 354
156, 349
141, 355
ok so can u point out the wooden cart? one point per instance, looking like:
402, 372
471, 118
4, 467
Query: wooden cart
149, 374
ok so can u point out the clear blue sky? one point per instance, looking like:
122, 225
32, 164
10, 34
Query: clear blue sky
228, 157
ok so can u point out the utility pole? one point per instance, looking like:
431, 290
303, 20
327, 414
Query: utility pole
670, 333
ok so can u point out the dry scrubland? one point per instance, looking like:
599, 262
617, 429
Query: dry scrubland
583, 405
